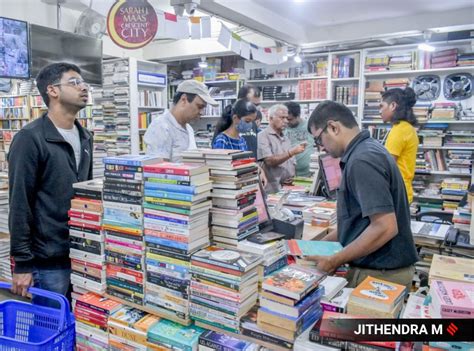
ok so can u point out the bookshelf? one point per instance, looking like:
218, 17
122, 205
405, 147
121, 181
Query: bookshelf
132, 95
440, 119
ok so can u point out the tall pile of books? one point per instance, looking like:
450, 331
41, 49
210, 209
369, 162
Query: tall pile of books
92, 313
176, 222
123, 225
98, 128
224, 286
87, 241
462, 138
128, 329
403, 61
5, 268
366, 299
452, 191
290, 302
393, 83
432, 137
234, 187
372, 98
421, 112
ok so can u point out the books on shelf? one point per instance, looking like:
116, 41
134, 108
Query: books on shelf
343, 67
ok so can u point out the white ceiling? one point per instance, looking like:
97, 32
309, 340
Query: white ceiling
300, 22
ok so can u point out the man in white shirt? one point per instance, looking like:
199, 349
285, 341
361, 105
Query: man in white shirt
170, 134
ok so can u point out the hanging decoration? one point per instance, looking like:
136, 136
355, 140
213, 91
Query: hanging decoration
132, 24
172, 26
234, 42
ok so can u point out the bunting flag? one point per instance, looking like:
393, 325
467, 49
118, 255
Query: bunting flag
205, 27
245, 50
195, 27
235, 43
224, 36
160, 15
183, 28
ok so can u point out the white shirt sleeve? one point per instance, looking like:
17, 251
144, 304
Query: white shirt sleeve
192, 139
158, 140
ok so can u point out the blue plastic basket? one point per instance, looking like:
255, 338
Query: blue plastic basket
28, 327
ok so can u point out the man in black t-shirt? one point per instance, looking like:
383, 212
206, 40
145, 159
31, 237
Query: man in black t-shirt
373, 217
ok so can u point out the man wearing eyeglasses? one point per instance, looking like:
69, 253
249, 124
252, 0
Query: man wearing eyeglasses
275, 151
373, 215
46, 157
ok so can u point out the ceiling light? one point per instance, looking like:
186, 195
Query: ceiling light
426, 47
297, 57
284, 58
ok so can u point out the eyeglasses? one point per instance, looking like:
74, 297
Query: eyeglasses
74, 82
318, 140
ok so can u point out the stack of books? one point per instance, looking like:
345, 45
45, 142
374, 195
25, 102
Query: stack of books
372, 98
452, 191
462, 219
450, 268
401, 83
376, 298
451, 299
323, 214
5, 266
421, 112
211, 340
444, 58
375, 62
176, 222
459, 138
337, 303
87, 241
443, 111
167, 335
123, 225
403, 61
224, 286
234, 187
432, 137
460, 161
270, 247
128, 329
92, 313
466, 59
290, 301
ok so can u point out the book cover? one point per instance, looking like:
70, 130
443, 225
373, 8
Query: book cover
292, 281
451, 268
223, 342
100, 303
186, 169
312, 248
454, 299
131, 160
232, 259
378, 294
176, 334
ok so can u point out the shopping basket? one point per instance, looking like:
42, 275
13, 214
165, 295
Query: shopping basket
28, 327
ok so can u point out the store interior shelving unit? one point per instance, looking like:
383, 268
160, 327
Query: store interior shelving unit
132, 94
446, 129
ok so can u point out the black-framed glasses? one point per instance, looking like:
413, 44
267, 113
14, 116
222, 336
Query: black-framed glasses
318, 139
74, 82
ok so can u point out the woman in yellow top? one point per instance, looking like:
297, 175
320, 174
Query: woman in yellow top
402, 141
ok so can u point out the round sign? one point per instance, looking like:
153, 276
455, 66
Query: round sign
132, 24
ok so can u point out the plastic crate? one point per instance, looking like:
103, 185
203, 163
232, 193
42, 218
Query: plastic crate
28, 327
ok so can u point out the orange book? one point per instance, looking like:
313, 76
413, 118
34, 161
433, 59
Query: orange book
378, 294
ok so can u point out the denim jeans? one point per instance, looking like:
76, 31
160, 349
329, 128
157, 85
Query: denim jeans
55, 280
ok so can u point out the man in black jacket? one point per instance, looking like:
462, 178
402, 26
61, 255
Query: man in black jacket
46, 157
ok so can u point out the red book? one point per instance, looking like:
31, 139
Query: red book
99, 303
89, 216
186, 169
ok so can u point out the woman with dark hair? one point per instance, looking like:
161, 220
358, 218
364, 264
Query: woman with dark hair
227, 134
402, 141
